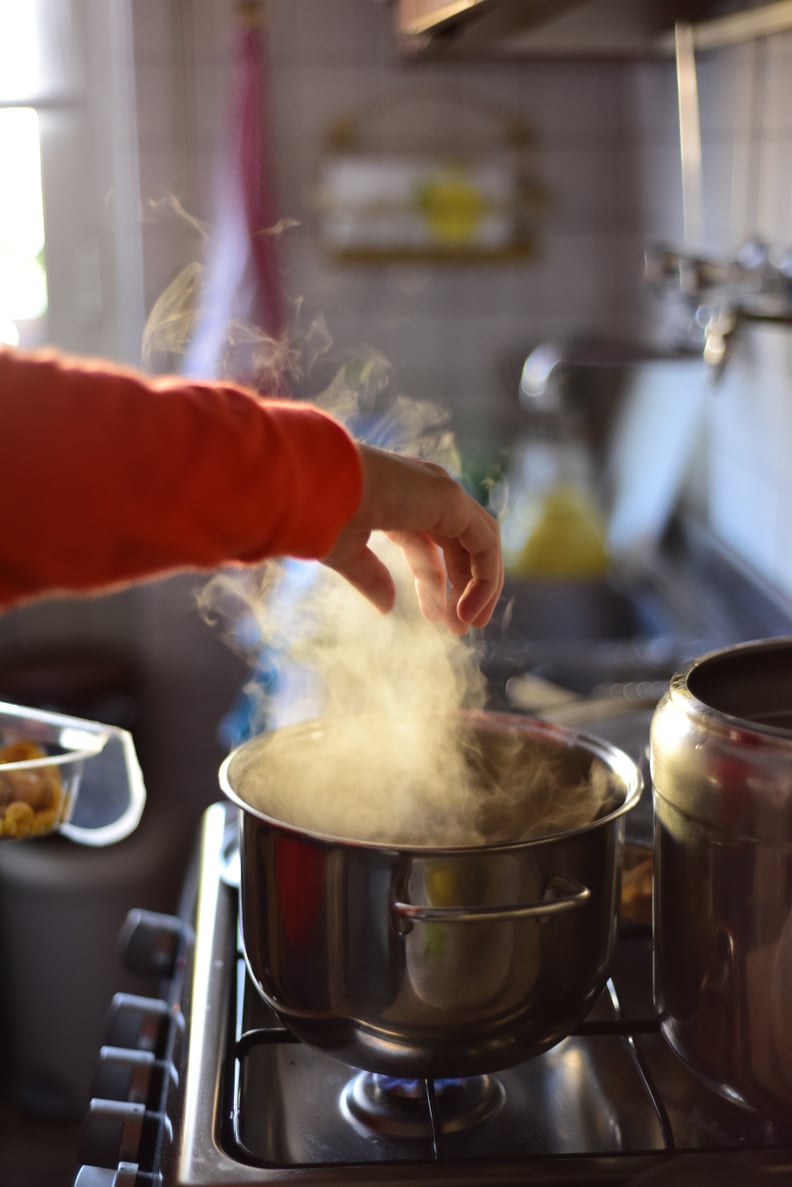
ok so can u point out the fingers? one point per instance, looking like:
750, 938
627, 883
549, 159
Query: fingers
450, 543
370, 577
426, 565
474, 562
477, 603
451, 583
475, 584
446, 589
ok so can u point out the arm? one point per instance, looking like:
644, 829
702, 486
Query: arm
108, 477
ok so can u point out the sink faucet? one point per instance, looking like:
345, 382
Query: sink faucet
722, 295
548, 361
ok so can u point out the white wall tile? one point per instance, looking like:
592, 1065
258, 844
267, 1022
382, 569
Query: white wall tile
782, 572
154, 31
776, 115
660, 182
747, 175
744, 512
774, 189
345, 33
650, 107
583, 103
723, 185
726, 84
157, 94
593, 186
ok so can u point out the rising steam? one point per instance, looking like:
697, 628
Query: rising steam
389, 754
389, 757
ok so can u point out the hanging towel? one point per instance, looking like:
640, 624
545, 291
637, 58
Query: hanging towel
240, 327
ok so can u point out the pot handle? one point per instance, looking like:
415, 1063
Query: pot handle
112, 788
572, 895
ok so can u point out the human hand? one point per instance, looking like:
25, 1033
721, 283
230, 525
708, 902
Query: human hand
450, 543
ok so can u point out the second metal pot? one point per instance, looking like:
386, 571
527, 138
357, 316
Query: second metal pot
432, 962
721, 761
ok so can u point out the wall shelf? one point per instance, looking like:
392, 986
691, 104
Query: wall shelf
410, 180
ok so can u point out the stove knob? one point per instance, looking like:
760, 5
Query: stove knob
118, 1131
132, 1075
151, 943
124, 1075
138, 1023
126, 1174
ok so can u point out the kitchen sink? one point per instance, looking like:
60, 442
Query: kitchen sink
587, 635
583, 610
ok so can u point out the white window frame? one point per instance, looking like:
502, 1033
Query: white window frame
90, 183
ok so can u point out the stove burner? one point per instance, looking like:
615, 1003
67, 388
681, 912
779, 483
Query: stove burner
388, 1107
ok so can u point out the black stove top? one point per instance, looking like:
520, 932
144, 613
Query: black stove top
242, 1103
613, 1090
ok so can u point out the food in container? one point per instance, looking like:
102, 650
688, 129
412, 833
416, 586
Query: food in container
31, 792
65, 774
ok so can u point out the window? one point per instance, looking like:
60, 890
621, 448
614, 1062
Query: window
70, 255
23, 283
23, 280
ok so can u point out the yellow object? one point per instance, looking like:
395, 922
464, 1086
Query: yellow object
453, 206
567, 539
442, 885
31, 799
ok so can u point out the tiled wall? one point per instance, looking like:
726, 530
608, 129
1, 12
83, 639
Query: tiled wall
456, 333
607, 147
744, 488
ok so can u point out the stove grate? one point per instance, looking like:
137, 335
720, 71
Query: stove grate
609, 1093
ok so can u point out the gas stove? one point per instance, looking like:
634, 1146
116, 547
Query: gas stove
201, 1085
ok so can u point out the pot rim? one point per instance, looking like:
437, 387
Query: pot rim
722, 720
613, 757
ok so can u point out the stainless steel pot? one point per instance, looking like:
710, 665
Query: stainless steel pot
436, 962
721, 764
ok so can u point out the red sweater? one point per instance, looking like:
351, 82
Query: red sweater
107, 476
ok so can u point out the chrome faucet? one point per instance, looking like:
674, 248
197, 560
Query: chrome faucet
539, 387
715, 297
721, 295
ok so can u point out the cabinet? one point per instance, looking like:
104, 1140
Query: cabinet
572, 29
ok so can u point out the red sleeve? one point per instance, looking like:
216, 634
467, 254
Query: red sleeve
107, 476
